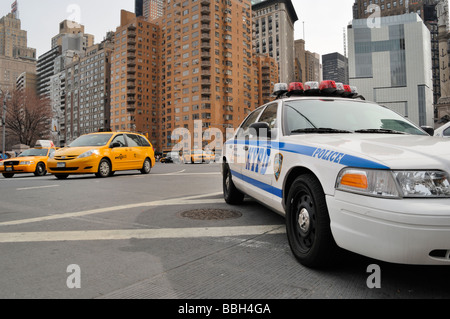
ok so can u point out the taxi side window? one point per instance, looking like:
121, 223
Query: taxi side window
133, 140
119, 139
244, 129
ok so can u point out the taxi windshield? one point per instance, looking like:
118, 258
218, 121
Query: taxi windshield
91, 140
345, 116
34, 152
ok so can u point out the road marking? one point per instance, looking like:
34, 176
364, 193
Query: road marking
38, 187
190, 200
126, 234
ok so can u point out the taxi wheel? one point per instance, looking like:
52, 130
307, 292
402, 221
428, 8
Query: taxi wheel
231, 194
8, 175
40, 170
147, 167
308, 223
104, 169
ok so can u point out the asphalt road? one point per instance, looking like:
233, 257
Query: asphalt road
170, 235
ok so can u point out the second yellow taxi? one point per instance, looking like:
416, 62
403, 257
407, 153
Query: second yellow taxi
103, 154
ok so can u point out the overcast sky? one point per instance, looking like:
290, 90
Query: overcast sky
324, 20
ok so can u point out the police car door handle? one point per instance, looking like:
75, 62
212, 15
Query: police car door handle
246, 148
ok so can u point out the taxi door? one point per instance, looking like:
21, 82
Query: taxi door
136, 152
119, 153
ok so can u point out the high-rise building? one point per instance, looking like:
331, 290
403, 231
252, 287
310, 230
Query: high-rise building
391, 65
426, 9
135, 75
15, 56
443, 105
266, 69
70, 30
87, 92
13, 40
206, 66
335, 67
153, 9
139, 8
274, 33
307, 65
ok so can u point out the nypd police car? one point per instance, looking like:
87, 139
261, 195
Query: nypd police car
346, 174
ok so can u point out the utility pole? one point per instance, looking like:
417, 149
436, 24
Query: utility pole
4, 126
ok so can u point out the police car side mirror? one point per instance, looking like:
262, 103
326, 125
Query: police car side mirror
428, 129
260, 130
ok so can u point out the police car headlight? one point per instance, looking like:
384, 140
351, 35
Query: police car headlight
395, 184
379, 183
423, 183
26, 163
89, 153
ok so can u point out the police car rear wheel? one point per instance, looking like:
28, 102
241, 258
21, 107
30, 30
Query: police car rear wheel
231, 194
308, 223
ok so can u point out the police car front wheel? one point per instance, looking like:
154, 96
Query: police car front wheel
308, 223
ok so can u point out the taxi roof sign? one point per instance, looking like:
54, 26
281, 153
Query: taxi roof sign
44, 144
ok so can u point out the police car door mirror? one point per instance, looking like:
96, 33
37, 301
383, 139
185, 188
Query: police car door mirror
428, 129
260, 130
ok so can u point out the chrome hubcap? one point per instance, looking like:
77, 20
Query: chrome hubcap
303, 220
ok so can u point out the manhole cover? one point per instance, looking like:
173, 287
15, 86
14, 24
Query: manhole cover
210, 214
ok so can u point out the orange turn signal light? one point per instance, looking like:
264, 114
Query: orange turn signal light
355, 180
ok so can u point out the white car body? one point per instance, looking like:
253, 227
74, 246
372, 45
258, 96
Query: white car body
400, 230
443, 131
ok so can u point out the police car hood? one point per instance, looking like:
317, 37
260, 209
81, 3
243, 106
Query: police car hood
379, 150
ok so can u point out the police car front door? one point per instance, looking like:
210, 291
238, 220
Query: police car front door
257, 169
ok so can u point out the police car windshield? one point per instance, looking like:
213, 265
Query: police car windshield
342, 116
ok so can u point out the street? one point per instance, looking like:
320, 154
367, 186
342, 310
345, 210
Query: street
170, 235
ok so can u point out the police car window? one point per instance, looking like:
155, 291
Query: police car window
270, 115
252, 118
447, 132
119, 139
345, 115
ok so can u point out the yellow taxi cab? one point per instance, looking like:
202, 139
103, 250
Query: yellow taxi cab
103, 154
199, 156
33, 160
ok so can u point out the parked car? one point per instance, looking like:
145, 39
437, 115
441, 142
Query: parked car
346, 174
443, 131
30, 161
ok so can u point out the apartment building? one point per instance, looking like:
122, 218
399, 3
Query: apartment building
134, 72
87, 87
265, 77
307, 65
73, 28
207, 66
274, 33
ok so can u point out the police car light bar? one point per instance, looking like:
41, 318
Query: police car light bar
324, 88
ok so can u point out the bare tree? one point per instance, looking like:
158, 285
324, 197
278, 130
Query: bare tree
28, 117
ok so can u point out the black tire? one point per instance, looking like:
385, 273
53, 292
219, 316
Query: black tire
8, 175
308, 224
231, 194
61, 176
104, 169
146, 167
40, 170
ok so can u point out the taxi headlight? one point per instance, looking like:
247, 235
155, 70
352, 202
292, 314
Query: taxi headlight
89, 153
26, 163
395, 184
